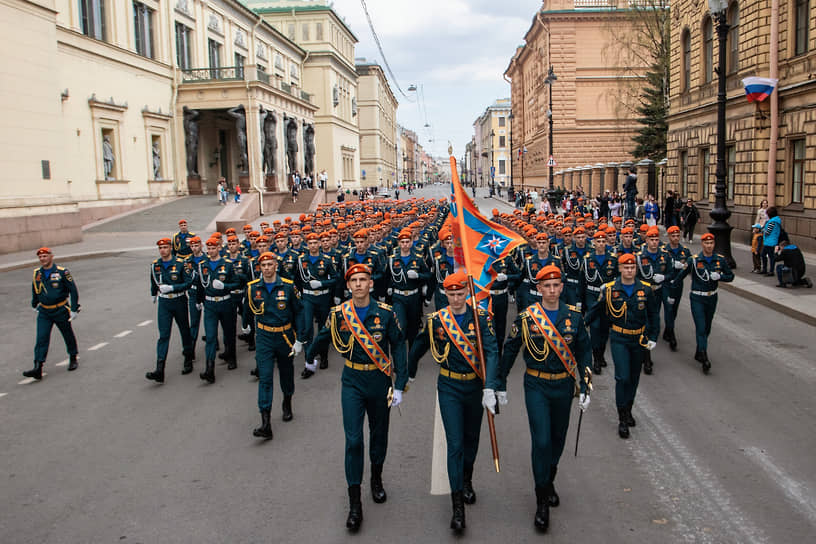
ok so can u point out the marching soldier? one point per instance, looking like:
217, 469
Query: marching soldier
316, 279
216, 278
631, 308
361, 253
277, 308
532, 265
364, 331
244, 273
600, 267
626, 245
451, 335
191, 264
654, 266
443, 265
181, 240
673, 289
707, 269
557, 355
408, 274
169, 281
572, 258
507, 276
55, 298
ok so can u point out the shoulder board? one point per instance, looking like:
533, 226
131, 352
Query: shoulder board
226, 260
285, 280
253, 282
384, 306
573, 308
178, 260
609, 284
60, 268
716, 254
191, 234
646, 283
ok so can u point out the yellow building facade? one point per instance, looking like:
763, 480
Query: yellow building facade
492, 145
377, 115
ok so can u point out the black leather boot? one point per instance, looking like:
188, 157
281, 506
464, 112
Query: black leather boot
355, 516
265, 430
254, 372
630, 421
251, 342
458, 520
72, 363
286, 407
623, 425
698, 356
542, 515
468, 492
324, 361
209, 372
188, 364
552, 496
377, 489
158, 374
666, 336
706, 363
232, 362
597, 356
35, 372
672, 340
648, 366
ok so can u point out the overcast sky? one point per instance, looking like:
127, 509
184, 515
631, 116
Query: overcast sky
455, 51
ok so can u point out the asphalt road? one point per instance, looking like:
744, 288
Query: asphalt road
103, 455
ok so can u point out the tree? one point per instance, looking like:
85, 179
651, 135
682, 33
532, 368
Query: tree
651, 137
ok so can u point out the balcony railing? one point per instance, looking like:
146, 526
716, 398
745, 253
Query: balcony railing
240, 73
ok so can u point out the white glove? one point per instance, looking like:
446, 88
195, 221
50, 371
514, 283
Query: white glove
489, 400
315, 284
412, 274
670, 300
73, 316
297, 348
313, 366
218, 284
246, 330
155, 298
389, 291
512, 299
37, 307
679, 265
650, 345
583, 402
424, 290
501, 397
396, 400
337, 301
411, 380
346, 293
199, 306
164, 288
579, 305
715, 276
659, 278
501, 276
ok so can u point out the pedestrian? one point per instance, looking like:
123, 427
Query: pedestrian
169, 281
791, 267
237, 194
294, 192
615, 208
181, 239
762, 213
55, 299
651, 211
771, 234
364, 331
756, 247
631, 190
557, 356
668, 210
275, 303
689, 215
464, 387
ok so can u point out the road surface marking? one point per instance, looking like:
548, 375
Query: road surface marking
27, 381
798, 494
144, 323
3, 395
439, 465
122, 334
62, 363
96, 347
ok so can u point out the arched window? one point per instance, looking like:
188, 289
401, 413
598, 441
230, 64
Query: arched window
708, 50
733, 37
686, 61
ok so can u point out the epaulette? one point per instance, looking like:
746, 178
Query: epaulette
191, 234
384, 306
178, 260
60, 267
523, 314
573, 308
253, 281
646, 283
609, 284
285, 280
226, 260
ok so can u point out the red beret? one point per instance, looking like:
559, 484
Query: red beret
161, 242
601, 234
362, 233
707, 236
627, 230
182, 221
626, 258
254, 233
246, 227
673, 229
262, 240
280, 235
644, 228
542, 236
195, 240
358, 268
653, 232
405, 234
549, 272
579, 230
213, 242
230, 231
232, 238
455, 281
266, 256
43, 251
566, 230
312, 236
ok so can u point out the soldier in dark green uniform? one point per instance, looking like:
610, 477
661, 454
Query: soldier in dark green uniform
243, 268
654, 266
443, 265
532, 266
631, 308
407, 274
364, 331
181, 241
557, 356
673, 290
169, 282
191, 264
316, 279
707, 269
572, 259
600, 267
361, 253
450, 333
277, 308
55, 298
507, 277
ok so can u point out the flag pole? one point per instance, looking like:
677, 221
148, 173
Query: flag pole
491, 426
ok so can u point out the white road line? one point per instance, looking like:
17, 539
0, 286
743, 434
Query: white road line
798, 494
144, 323
122, 334
439, 465
27, 381
96, 347
62, 363
3, 395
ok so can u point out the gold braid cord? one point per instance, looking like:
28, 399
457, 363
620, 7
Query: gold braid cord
438, 357
536, 353
337, 340
617, 313
255, 310
38, 287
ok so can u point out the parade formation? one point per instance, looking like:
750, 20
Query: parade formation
358, 277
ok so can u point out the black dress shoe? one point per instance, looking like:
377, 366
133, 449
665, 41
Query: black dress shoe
306, 374
552, 495
35, 372
286, 407
72, 363
377, 489
265, 430
706, 363
542, 515
458, 519
158, 374
623, 430
698, 356
254, 372
468, 491
355, 515
630, 420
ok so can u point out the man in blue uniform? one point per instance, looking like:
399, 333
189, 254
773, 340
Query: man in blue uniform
55, 298
600, 267
451, 335
532, 266
276, 305
572, 258
181, 239
364, 331
407, 274
654, 266
673, 288
169, 282
316, 279
191, 264
507, 277
557, 356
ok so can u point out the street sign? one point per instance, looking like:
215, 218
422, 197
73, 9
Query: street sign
551, 162
492, 171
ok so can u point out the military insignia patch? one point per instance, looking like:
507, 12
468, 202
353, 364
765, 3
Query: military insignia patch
377, 320
641, 294
377, 336
440, 333
281, 305
513, 331
641, 305
258, 295
568, 338
615, 295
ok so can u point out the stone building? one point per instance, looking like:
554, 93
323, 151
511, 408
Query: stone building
492, 145
412, 153
378, 126
692, 137
592, 123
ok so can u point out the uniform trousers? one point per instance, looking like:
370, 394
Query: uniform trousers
499, 304
195, 319
214, 313
409, 314
46, 319
599, 328
364, 392
271, 348
702, 312
627, 354
460, 405
671, 295
315, 308
548, 412
570, 292
170, 310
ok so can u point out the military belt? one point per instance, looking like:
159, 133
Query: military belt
53, 306
572, 280
217, 299
237, 292
315, 293
704, 293
535, 292
498, 291
593, 288
630, 332
171, 296
359, 366
461, 376
267, 328
405, 293
547, 375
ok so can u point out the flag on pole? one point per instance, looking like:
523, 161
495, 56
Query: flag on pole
478, 242
758, 89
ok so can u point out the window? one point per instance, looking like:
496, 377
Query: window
730, 170
502, 167
92, 18
305, 32
708, 50
801, 16
214, 56
319, 32
705, 173
501, 121
290, 31
183, 43
239, 65
501, 141
733, 37
797, 169
143, 29
686, 61
684, 173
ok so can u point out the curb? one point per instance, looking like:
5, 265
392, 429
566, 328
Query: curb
73, 257
769, 303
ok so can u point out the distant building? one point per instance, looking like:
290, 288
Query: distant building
492, 145
378, 126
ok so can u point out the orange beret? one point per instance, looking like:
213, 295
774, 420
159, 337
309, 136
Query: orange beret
266, 256
455, 281
264, 223
161, 242
182, 221
280, 235
268, 230
230, 231
549, 272
325, 234
341, 226
627, 230
644, 228
673, 229
707, 236
232, 238
617, 219
358, 268
306, 228
213, 242
610, 230
626, 258
254, 233
195, 239
312, 236
653, 232
404, 234
302, 217
287, 219
600, 235
262, 239
579, 230
362, 233
276, 222
566, 230
589, 225
295, 232
542, 236
495, 212
47, 251
246, 227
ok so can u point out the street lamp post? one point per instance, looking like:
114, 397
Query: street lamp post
492, 175
511, 117
549, 80
720, 213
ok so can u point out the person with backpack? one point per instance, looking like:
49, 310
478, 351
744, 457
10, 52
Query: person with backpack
771, 236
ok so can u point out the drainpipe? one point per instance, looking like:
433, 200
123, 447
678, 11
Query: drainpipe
774, 73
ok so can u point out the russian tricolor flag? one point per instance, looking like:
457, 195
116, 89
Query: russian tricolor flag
758, 89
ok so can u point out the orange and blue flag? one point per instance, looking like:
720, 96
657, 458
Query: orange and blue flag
478, 242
